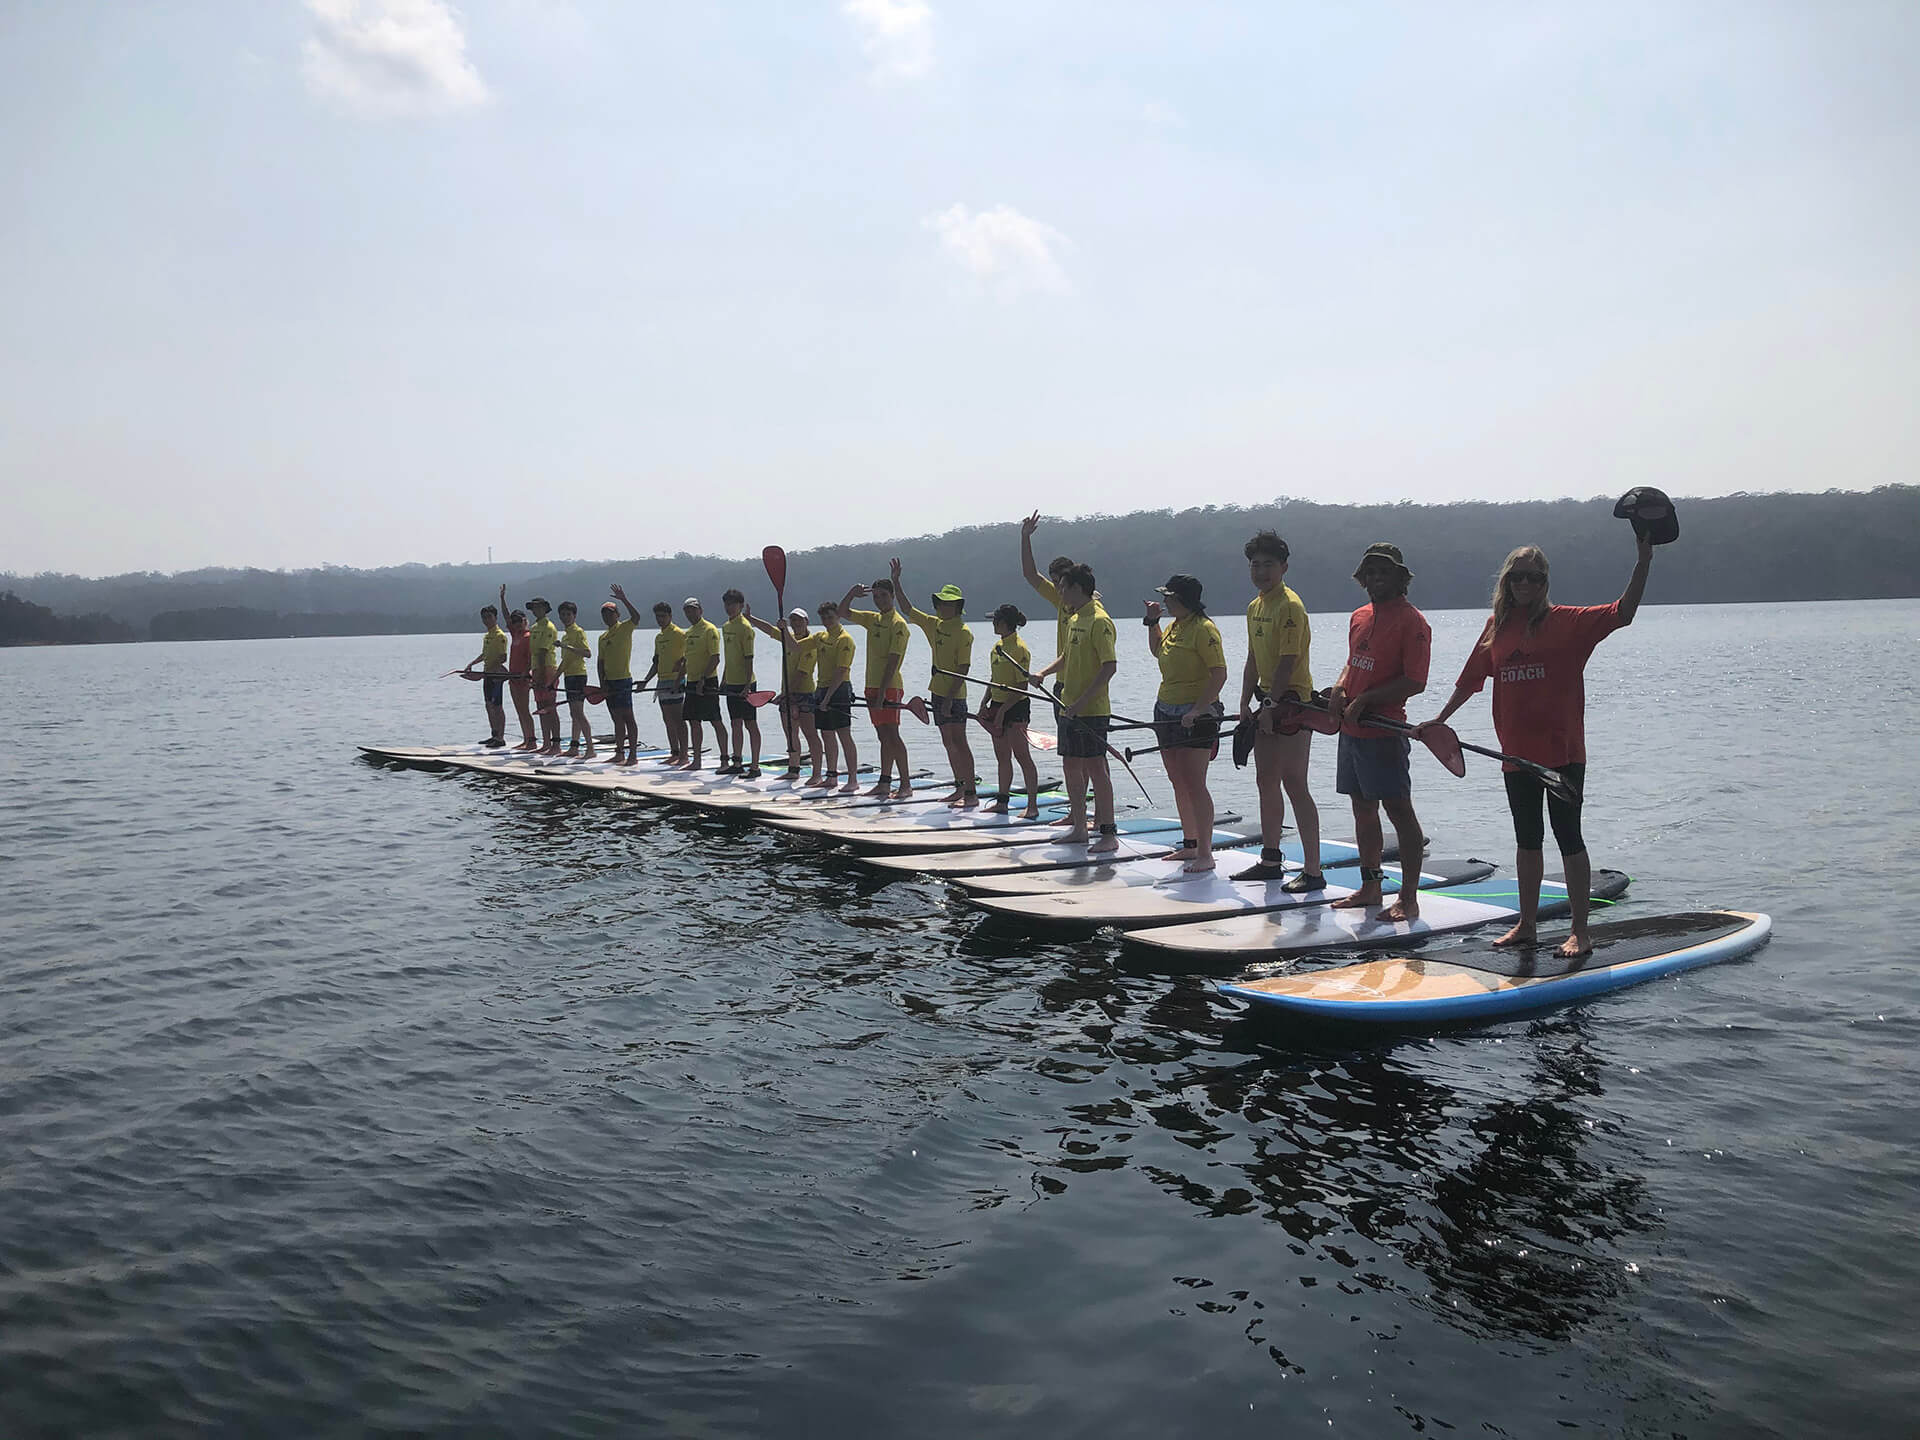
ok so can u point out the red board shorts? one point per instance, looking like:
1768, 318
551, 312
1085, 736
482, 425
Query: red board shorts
884, 707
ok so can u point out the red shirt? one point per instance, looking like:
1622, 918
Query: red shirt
1385, 643
1539, 689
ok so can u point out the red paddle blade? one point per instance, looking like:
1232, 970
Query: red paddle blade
775, 559
1445, 746
917, 708
757, 698
1309, 717
1041, 740
595, 695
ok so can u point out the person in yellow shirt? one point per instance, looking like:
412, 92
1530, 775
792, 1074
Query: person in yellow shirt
492, 659
886, 652
703, 646
544, 670
736, 680
1187, 712
1007, 709
802, 649
615, 662
1279, 639
1086, 666
669, 668
952, 644
574, 654
1047, 586
833, 700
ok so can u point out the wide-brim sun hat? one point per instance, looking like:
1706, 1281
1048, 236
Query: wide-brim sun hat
1381, 550
949, 594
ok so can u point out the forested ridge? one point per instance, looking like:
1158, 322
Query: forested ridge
1840, 545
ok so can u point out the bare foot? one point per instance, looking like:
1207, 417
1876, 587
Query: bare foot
1199, 865
1185, 852
1364, 898
1518, 935
1402, 910
1075, 837
998, 807
1577, 947
1030, 813
852, 787
1104, 844
905, 792
1060, 820
877, 792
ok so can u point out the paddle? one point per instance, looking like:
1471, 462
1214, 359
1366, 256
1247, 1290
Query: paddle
1059, 710
1446, 746
913, 705
775, 559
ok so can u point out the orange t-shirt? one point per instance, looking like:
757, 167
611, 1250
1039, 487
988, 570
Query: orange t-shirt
1385, 643
1539, 681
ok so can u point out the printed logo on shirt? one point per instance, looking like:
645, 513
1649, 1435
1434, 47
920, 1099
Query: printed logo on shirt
1360, 662
1517, 665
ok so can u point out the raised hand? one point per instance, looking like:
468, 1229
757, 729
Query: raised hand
619, 594
1153, 610
1029, 525
862, 591
893, 569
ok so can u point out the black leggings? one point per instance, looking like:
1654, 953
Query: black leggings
1524, 794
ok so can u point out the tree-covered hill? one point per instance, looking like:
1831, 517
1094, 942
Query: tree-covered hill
1835, 546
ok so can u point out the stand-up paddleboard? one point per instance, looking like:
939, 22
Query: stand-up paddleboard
1194, 897
911, 816
1443, 910
1472, 983
1012, 832
1016, 852
1156, 871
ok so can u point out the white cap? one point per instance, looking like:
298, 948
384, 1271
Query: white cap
693, 600
796, 613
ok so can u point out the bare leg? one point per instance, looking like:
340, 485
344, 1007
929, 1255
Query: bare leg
1294, 752
1528, 867
1102, 781
1023, 754
1406, 830
1076, 773
1579, 870
1367, 836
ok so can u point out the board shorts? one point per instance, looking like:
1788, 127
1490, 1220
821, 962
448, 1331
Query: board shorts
1524, 794
494, 691
1009, 714
883, 706
620, 694
1084, 737
737, 706
546, 698
834, 708
1374, 767
670, 692
703, 704
803, 703
947, 709
1172, 735
576, 687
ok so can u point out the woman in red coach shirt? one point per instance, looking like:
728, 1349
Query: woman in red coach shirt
1536, 655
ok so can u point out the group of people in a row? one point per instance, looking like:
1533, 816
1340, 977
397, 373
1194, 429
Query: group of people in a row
1533, 652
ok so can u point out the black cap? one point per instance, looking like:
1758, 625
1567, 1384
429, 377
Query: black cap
1185, 589
539, 600
1651, 513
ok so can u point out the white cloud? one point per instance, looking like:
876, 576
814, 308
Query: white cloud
897, 36
391, 57
1003, 249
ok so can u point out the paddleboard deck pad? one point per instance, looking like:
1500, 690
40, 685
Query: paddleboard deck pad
1149, 870
1474, 982
1443, 910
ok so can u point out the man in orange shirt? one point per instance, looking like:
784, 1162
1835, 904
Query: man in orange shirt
1389, 645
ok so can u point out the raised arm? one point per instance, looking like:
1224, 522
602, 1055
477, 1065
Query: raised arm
900, 594
854, 592
1637, 582
1027, 567
1153, 627
621, 596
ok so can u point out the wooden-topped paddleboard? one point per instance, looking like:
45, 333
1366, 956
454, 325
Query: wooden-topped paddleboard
1472, 983
1443, 910
1194, 897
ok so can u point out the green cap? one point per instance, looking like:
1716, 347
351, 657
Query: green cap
949, 593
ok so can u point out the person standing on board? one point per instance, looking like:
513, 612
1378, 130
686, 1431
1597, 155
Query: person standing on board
574, 654
519, 671
796, 701
736, 679
1047, 586
951, 641
1186, 712
1389, 645
544, 658
1278, 643
833, 701
703, 646
616, 675
1086, 667
1006, 711
669, 668
493, 686
1536, 655
886, 652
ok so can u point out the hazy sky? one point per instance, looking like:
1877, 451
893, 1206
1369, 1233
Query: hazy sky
288, 282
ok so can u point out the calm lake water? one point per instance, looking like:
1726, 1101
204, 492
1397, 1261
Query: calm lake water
341, 1100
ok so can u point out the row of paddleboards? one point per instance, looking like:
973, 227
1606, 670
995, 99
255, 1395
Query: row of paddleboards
1020, 873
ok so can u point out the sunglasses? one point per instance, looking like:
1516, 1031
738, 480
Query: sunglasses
1527, 577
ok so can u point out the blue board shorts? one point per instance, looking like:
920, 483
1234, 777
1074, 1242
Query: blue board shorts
670, 692
620, 694
1374, 767
948, 709
495, 691
576, 687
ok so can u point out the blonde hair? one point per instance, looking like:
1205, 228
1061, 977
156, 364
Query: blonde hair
1503, 598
